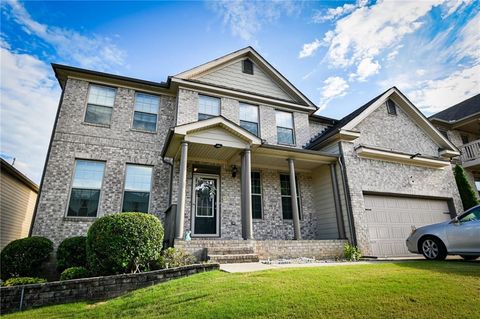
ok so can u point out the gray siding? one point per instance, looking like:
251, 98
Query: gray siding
324, 204
232, 76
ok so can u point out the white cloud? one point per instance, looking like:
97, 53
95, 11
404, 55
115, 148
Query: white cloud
29, 97
367, 68
90, 52
436, 95
245, 18
309, 49
452, 6
332, 14
334, 87
468, 45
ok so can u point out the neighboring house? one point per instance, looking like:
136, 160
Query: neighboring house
18, 195
461, 125
232, 153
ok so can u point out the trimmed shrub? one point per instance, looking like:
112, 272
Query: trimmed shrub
74, 273
467, 193
351, 252
72, 252
17, 281
124, 242
23, 257
172, 257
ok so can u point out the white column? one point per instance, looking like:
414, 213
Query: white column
293, 193
182, 182
247, 192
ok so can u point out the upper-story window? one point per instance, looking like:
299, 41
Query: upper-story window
86, 186
146, 110
247, 66
391, 107
249, 117
285, 132
100, 104
138, 182
208, 106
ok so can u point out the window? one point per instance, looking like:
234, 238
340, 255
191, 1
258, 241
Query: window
472, 215
138, 181
146, 110
86, 186
247, 66
391, 107
287, 197
208, 107
249, 117
464, 139
256, 196
285, 133
100, 104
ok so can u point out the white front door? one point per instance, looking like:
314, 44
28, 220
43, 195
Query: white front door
205, 208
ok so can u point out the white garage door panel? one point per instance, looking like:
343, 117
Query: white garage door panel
390, 220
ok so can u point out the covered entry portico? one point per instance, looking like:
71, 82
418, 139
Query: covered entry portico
220, 155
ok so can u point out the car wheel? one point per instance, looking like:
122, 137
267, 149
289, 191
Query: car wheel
469, 257
433, 249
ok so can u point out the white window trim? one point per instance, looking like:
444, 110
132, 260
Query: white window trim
157, 114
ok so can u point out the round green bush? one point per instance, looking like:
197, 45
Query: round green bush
74, 273
23, 257
72, 252
17, 281
124, 242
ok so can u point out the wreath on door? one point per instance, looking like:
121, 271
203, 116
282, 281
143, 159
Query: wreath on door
206, 187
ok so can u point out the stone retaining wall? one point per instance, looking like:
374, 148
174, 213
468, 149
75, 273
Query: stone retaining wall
57, 292
274, 249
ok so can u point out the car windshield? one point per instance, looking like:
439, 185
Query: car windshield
472, 215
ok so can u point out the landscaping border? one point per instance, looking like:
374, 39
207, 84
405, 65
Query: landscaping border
96, 288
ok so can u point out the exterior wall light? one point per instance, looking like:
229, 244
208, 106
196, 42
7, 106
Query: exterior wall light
218, 145
234, 171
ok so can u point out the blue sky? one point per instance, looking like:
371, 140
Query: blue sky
339, 53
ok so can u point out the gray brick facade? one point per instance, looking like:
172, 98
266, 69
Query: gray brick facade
117, 145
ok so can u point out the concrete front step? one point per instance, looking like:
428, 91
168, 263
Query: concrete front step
235, 258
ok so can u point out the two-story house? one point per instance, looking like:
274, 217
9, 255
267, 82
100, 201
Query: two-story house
231, 155
461, 125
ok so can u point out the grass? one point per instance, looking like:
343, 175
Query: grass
391, 290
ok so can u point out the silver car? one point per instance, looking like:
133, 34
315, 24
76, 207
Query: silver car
460, 236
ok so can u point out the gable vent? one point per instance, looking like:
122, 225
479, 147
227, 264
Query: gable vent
391, 107
247, 66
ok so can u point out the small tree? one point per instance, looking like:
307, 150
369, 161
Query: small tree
467, 194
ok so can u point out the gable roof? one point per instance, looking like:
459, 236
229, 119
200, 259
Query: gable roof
8, 168
340, 123
248, 52
459, 111
351, 120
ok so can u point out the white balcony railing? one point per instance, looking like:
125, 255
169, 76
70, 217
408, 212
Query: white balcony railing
470, 151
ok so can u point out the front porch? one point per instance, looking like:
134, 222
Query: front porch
278, 201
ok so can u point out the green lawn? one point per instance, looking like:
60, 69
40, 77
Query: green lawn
417, 289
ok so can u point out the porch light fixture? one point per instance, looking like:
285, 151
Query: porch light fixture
218, 145
234, 171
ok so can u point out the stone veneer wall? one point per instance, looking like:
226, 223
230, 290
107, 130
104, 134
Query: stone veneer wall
116, 144
274, 249
29, 296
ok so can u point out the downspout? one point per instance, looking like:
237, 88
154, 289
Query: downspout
46, 162
170, 186
346, 193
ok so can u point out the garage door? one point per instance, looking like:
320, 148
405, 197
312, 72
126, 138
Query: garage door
390, 220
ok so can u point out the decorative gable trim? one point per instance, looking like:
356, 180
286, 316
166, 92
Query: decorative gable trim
412, 112
259, 61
